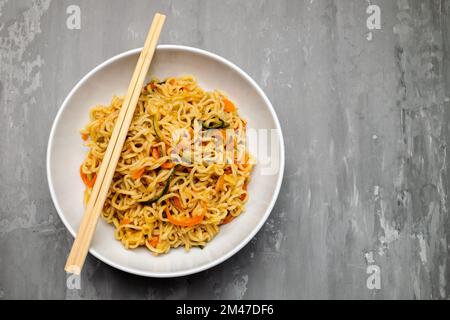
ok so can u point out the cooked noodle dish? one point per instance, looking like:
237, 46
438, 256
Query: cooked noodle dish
183, 170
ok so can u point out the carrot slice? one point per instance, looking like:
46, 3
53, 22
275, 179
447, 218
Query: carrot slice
220, 183
88, 183
228, 219
155, 153
91, 182
125, 221
167, 165
176, 201
83, 175
138, 173
186, 222
228, 106
84, 136
154, 241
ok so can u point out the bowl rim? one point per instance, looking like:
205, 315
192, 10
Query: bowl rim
228, 254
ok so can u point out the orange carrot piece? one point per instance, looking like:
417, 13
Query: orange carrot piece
154, 241
83, 175
186, 222
167, 165
228, 106
84, 136
176, 201
220, 183
138, 173
125, 221
88, 183
155, 153
91, 182
228, 219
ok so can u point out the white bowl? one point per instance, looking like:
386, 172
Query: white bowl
66, 152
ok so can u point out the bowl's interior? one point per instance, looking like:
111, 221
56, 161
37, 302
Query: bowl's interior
66, 152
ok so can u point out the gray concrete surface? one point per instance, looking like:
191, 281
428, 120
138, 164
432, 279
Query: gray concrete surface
365, 123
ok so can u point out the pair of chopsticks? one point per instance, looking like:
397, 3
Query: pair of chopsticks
105, 175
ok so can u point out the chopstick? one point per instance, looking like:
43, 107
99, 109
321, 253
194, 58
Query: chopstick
105, 175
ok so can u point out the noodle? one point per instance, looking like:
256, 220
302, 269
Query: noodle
183, 170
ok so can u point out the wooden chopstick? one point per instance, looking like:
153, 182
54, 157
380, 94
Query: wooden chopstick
105, 175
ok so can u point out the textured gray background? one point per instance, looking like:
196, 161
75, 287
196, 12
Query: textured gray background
365, 124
